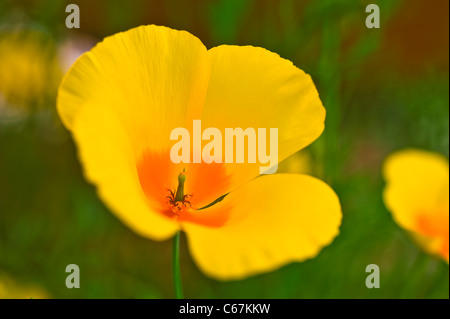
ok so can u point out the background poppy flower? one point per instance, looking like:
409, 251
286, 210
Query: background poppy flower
29, 72
11, 289
417, 194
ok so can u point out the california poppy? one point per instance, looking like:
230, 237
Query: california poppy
122, 99
417, 194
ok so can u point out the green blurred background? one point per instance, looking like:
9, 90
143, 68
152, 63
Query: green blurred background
384, 89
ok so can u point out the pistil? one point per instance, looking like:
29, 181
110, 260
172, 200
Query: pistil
178, 201
179, 196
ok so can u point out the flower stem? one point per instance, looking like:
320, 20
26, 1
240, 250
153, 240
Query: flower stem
176, 267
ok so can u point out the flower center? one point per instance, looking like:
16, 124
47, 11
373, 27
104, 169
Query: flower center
178, 201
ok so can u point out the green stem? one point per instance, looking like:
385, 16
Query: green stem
176, 267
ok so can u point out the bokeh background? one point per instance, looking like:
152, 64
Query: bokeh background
384, 89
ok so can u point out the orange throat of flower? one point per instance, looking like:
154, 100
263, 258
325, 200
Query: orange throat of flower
198, 187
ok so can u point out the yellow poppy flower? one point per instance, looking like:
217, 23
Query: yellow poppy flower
122, 99
29, 72
417, 194
9, 289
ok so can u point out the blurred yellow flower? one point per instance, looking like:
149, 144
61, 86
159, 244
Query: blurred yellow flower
122, 99
417, 194
29, 72
9, 289
301, 163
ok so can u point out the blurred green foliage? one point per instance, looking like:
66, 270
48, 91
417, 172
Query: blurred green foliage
51, 217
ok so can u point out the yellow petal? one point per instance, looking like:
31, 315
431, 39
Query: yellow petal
417, 194
271, 221
107, 158
251, 87
121, 100
153, 78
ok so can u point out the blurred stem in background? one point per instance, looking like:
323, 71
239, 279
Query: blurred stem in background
329, 78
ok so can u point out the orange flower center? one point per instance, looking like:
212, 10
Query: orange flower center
199, 185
